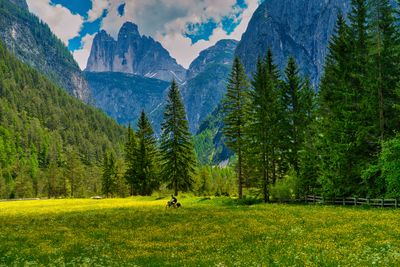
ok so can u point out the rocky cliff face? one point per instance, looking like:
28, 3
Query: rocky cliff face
133, 54
33, 42
299, 28
206, 81
123, 96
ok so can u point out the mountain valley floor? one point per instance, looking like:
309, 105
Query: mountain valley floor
204, 232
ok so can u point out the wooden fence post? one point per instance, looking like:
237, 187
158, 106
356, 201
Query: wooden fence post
355, 201
395, 203
383, 202
344, 201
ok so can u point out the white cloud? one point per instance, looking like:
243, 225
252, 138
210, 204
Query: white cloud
181, 47
62, 22
81, 56
98, 7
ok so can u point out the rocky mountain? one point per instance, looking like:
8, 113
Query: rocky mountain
33, 42
206, 81
123, 96
133, 53
301, 28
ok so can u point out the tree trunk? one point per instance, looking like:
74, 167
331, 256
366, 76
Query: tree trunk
265, 179
176, 188
240, 176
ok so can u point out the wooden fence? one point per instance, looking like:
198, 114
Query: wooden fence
347, 201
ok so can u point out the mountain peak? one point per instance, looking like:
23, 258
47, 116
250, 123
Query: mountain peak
133, 54
129, 29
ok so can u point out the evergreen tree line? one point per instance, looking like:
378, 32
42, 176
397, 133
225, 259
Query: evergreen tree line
340, 142
267, 122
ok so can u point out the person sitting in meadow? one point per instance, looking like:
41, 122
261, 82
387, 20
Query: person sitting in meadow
173, 202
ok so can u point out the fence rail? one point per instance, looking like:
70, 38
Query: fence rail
346, 201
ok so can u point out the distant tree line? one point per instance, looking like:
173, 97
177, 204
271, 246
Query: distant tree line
340, 142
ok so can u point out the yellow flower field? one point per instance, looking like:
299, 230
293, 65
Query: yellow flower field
216, 232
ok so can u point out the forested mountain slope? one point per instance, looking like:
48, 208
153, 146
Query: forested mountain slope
33, 42
48, 138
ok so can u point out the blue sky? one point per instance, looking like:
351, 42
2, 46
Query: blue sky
184, 27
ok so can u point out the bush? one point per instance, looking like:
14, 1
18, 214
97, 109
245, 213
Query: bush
389, 161
285, 188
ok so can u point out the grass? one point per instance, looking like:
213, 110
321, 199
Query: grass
205, 232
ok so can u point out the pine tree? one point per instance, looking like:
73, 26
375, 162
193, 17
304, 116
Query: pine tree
73, 173
106, 175
296, 97
384, 70
332, 89
146, 157
130, 159
279, 162
264, 127
178, 158
343, 126
236, 111
309, 155
109, 174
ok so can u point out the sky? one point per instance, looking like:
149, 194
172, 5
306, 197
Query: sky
183, 27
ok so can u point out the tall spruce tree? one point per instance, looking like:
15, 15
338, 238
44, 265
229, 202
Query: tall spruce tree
307, 182
146, 157
263, 127
292, 86
297, 97
109, 174
236, 114
344, 129
130, 160
333, 88
384, 71
177, 151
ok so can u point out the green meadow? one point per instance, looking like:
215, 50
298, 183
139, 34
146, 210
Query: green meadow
204, 232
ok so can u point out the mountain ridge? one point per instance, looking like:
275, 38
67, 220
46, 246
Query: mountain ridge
133, 53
